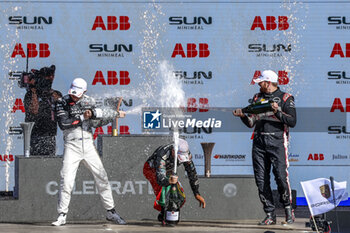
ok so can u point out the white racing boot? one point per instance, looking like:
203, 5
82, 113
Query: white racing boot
61, 220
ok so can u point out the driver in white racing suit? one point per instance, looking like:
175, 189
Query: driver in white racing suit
77, 114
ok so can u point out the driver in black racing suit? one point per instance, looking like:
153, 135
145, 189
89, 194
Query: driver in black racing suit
270, 144
159, 166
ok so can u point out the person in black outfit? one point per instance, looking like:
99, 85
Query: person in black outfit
39, 102
159, 166
270, 144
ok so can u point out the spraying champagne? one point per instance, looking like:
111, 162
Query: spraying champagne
173, 204
258, 107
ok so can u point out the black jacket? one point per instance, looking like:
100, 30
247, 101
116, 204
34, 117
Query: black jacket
164, 163
270, 122
45, 123
71, 119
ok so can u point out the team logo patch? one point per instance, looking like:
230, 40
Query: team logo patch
286, 96
325, 191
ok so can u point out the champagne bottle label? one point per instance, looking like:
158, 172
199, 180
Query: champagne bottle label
172, 215
258, 107
263, 101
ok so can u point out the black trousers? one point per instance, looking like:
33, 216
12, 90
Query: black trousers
271, 151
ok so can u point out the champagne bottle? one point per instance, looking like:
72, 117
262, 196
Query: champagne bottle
258, 107
172, 208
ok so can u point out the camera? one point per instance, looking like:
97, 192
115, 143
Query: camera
25, 78
40, 82
322, 224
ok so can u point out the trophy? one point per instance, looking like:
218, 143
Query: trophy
207, 149
27, 131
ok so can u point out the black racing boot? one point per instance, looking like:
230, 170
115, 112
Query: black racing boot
161, 217
270, 219
290, 218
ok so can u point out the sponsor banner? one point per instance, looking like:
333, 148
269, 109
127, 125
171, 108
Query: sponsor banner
318, 159
339, 22
7, 158
186, 23
230, 157
30, 22
340, 77
223, 159
214, 50
293, 158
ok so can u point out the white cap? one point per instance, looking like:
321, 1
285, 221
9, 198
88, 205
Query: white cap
183, 152
78, 87
267, 75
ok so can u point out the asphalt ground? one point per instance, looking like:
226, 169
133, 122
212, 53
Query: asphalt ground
155, 226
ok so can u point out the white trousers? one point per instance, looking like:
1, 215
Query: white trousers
76, 151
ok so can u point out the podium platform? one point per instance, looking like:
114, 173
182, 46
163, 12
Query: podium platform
37, 185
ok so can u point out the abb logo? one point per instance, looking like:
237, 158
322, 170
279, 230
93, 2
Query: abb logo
32, 50
270, 23
337, 50
193, 106
316, 157
18, 106
6, 158
112, 79
337, 105
282, 77
123, 129
112, 23
203, 50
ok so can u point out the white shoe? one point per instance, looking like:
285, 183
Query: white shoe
113, 216
61, 220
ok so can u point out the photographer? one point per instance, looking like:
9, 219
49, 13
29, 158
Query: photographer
38, 103
270, 144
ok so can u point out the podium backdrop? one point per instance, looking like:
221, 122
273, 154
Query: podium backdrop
214, 48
